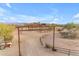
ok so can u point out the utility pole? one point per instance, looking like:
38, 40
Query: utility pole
19, 41
53, 49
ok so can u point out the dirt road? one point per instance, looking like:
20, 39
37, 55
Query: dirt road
30, 46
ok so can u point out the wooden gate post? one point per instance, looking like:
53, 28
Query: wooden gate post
53, 49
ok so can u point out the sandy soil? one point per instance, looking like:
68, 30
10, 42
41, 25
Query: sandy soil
31, 46
13, 51
72, 44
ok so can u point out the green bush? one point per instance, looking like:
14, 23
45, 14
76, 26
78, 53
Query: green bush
6, 31
70, 26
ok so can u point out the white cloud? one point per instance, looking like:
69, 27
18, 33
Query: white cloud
8, 5
4, 17
76, 15
28, 19
55, 20
2, 21
12, 18
75, 18
2, 11
8, 19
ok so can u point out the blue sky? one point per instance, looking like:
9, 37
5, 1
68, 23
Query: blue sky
39, 12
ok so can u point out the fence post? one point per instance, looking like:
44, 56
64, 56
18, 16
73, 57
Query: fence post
53, 49
19, 41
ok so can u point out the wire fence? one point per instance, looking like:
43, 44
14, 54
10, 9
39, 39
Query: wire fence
69, 52
55, 37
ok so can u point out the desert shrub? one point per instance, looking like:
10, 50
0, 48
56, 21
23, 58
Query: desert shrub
8, 38
70, 26
6, 31
64, 34
69, 34
72, 35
